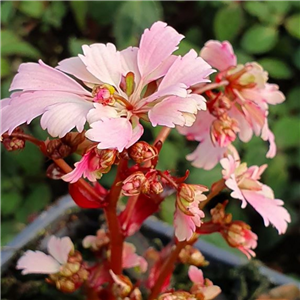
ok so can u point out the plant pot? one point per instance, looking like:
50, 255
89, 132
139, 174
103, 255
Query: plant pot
65, 218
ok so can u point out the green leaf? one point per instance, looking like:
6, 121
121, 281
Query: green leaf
185, 47
10, 202
257, 9
296, 58
36, 201
279, 7
292, 25
287, 131
276, 68
33, 9
228, 22
54, 13
259, 39
167, 209
80, 10
128, 26
11, 44
292, 99
5, 67
7, 11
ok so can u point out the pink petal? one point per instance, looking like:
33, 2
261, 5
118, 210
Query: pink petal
206, 155
267, 135
60, 248
156, 45
100, 112
81, 169
174, 111
137, 132
189, 69
236, 193
40, 77
219, 55
229, 165
131, 259
29, 105
272, 95
211, 292
129, 62
111, 133
104, 62
270, 209
37, 262
60, 119
77, 68
184, 226
196, 275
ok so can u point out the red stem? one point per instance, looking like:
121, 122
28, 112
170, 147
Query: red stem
116, 236
210, 86
166, 269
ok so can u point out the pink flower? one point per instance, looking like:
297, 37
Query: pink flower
241, 110
187, 215
40, 263
245, 185
131, 259
92, 165
136, 83
201, 285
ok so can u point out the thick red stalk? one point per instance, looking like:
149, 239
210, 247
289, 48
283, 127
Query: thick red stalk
115, 233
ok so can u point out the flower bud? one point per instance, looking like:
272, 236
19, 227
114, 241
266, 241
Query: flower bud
102, 160
104, 94
218, 214
122, 285
192, 256
141, 152
135, 184
219, 104
178, 295
13, 143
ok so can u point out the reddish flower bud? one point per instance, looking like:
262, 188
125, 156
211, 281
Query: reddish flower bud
122, 286
135, 184
218, 214
141, 152
13, 143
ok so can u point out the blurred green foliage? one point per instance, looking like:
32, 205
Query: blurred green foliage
267, 32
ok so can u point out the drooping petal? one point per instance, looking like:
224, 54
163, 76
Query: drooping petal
77, 68
219, 55
40, 77
111, 133
271, 94
196, 275
59, 119
189, 69
104, 62
267, 135
156, 45
60, 248
206, 155
37, 262
270, 209
26, 106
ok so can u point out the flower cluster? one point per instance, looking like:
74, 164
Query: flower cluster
96, 105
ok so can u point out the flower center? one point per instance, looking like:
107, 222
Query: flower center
104, 94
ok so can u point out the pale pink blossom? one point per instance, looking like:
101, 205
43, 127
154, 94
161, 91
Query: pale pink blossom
241, 110
41, 263
188, 215
245, 185
118, 89
201, 285
131, 259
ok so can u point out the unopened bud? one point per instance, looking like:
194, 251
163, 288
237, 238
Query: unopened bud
141, 152
104, 94
192, 256
56, 149
178, 295
13, 143
122, 285
103, 160
156, 187
219, 104
218, 214
135, 184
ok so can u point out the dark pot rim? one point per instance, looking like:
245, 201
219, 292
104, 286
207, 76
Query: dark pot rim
65, 206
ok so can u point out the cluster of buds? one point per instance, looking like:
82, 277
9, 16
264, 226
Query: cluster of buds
138, 183
192, 256
142, 152
236, 233
71, 275
178, 295
60, 148
12, 142
123, 289
96, 242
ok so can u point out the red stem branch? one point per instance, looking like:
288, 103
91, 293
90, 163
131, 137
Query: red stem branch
210, 86
116, 236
